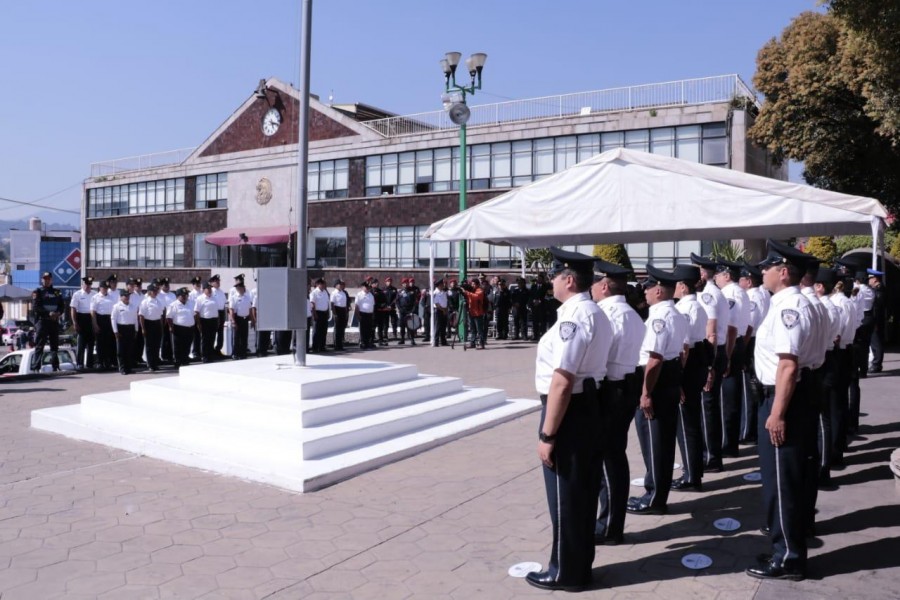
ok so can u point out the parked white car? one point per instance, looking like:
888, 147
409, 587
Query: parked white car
19, 362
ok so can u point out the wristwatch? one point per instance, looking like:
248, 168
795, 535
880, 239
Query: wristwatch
547, 439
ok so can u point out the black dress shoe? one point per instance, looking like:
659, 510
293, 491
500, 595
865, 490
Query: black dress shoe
608, 540
681, 484
765, 530
714, 468
642, 508
770, 570
543, 580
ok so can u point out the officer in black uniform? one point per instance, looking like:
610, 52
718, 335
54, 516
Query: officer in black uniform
571, 359
785, 345
537, 297
47, 305
879, 319
503, 304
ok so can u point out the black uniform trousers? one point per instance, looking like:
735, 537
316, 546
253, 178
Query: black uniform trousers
367, 330
618, 401
440, 317
195, 343
241, 336
320, 334
689, 429
46, 331
838, 400
153, 339
828, 377
208, 331
783, 471
502, 323
263, 341
340, 325
220, 336
183, 338
137, 348
404, 330
571, 487
85, 340
861, 355
166, 353
520, 322
382, 319
732, 392
751, 397
125, 348
106, 342
283, 341
657, 435
711, 419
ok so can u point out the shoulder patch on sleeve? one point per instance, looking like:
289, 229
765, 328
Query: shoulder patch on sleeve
790, 317
706, 298
658, 326
753, 307
567, 330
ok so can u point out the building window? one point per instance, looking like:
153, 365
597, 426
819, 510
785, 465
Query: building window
161, 251
327, 247
165, 195
404, 247
328, 179
212, 191
661, 254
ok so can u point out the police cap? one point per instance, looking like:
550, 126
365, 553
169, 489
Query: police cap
781, 254
604, 268
659, 277
826, 276
688, 273
197, 280
726, 266
124, 292
88, 280
703, 262
46, 274
575, 261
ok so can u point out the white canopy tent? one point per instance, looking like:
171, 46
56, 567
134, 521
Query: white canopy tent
624, 196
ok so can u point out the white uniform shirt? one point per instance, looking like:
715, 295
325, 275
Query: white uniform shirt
665, 332
439, 297
787, 329
821, 324
102, 304
320, 299
151, 308
848, 317
865, 298
192, 297
834, 318
254, 296
339, 298
181, 314
122, 315
166, 298
739, 307
81, 301
134, 302
240, 304
365, 301
716, 307
627, 335
219, 297
578, 343
759, 306
206, 307
696, 318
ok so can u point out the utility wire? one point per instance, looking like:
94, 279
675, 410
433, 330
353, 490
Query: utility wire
36, 205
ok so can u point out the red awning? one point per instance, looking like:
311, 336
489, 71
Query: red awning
260, 236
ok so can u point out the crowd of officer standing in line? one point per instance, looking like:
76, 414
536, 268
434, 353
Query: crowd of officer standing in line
767, 355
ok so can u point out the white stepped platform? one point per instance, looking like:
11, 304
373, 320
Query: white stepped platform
296, 428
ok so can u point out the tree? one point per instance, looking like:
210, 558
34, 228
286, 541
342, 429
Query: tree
814, 113
539, 256
894, 249
614, 253
727, 251
823, 248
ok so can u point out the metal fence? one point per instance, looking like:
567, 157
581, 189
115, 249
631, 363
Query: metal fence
136, 163
686, 92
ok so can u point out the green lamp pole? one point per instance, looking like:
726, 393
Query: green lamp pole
459, 114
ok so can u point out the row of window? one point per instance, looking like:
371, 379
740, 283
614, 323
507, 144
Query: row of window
328, 179
141, 252
145, 197
402, 247
212, 191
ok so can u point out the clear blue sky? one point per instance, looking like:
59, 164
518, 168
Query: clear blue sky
91, 80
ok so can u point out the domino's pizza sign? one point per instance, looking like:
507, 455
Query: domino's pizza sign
69, 267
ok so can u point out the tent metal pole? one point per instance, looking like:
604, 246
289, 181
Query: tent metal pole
431, 283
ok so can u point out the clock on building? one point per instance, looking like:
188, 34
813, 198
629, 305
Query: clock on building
271, 121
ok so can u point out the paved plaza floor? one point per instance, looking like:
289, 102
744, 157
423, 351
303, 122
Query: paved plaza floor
79, 520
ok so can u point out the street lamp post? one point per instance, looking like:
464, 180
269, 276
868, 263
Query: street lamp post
459, 114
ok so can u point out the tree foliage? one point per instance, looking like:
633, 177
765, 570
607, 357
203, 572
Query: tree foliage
539, 258
815, 113
727, 251
614, 253
823, 248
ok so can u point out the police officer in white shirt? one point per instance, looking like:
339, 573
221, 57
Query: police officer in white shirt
785, 345
365, 314
320, 301
151, 314
441, 311
717, 312
221, 301
694, 374
751, 282
195, 290
167, 297
619, 396
101, 308
208, 313
182, 322
340, 310
124, 326
571, 360
657, 414
240, 314
80, 307
727, 275
830, 409
840, 409
136, 296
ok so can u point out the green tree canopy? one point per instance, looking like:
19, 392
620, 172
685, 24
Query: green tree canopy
823, 248
614, 253
815, 113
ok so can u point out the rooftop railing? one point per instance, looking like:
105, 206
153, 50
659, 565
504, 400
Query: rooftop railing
118, 166
686, 92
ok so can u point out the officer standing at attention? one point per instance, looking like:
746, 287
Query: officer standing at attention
717, 313
831, 374
101, 308
196, 290
784, 345
840, 403
727, 275
241, 318
221, 300
390, 294
571, 359
693, 378
320, 301
751, 281
151, 315
182, 322
340, 310
365, 309
47, 306
879, 319
124, 325
80, 305
167, 297
656, 417
208, 313
136, 296
619, 396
